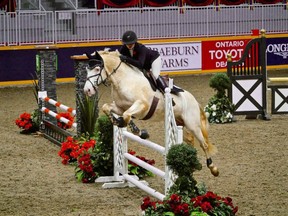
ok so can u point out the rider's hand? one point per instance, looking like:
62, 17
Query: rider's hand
123, 58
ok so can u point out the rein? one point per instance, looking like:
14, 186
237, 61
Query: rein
99, 75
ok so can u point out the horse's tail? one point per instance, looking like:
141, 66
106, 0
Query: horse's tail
212, 149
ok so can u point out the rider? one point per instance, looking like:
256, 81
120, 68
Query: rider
141, 57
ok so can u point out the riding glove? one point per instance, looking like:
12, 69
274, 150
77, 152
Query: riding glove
123, 58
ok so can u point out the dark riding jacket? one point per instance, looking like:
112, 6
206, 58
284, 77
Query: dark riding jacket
143, 57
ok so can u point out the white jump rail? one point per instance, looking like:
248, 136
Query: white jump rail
121, 178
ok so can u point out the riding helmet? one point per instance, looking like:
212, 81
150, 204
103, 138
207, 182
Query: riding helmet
129, 37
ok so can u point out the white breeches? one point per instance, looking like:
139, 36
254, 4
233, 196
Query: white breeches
156, 67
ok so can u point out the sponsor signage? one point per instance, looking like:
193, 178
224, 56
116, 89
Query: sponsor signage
214, 53
179, 56
277, 51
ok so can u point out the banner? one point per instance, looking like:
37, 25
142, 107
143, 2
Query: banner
214, 53
277, 51
179, 56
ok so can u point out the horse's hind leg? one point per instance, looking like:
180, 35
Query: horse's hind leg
205, 145
200, 130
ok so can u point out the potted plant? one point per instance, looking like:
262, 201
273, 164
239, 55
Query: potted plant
219, 108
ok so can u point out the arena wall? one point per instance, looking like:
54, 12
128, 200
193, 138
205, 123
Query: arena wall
179, 56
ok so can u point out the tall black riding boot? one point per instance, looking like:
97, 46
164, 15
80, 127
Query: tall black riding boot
162, 86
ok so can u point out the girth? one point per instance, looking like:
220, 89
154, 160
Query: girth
152, 108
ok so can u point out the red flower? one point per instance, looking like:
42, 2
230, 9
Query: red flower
141, 172
68, 116
131, 152
206, 206
69, 150
72, 151
147, 203
24, 121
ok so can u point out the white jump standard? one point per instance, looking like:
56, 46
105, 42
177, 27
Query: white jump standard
121, 178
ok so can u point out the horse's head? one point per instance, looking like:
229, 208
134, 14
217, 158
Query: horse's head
95, 74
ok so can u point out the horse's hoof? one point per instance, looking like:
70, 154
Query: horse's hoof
214, 170
120, 122
144, 134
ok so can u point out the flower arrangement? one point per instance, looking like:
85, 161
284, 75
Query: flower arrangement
68, 116
186, 197
138, 170
92, 155
219, 108
204, 205
74, 152
28, 122
68, 151
85, 169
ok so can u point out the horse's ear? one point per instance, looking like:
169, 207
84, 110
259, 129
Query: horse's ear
88, 55
97, 56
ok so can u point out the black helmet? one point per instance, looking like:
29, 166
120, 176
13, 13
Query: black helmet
129, 37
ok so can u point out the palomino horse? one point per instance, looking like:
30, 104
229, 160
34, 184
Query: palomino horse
133, 96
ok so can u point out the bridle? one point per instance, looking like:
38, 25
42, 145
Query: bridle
93, 63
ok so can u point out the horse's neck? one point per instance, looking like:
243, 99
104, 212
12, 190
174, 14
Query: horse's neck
127, 81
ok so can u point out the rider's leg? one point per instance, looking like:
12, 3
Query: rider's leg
155, 69
161, 84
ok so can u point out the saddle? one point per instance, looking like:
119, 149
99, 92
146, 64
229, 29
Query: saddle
148, 74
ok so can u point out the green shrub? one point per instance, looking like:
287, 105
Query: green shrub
182, 160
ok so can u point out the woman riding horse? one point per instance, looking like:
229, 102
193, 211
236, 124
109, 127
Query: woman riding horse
133, 97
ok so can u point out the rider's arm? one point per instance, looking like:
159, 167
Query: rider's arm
139, 59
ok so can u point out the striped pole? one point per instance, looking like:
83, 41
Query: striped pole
58, 104
59, 117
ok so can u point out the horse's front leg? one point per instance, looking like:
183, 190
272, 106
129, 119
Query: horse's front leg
111, 108
135, 130
137, 110
126, 119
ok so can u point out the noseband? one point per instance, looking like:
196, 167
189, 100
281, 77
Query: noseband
98, 63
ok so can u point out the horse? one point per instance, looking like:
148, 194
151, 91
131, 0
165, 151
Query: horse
133, 98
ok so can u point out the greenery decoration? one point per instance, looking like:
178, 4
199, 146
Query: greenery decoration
139, 171
88, 107
219, 108
186, 197
182, 159
92, 155
30, 122
220, 83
